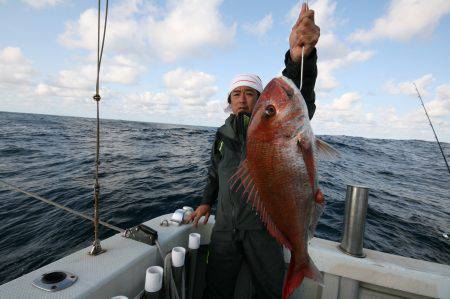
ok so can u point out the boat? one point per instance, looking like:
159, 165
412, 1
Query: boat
121, 269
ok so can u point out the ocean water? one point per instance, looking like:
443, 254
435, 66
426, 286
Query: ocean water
148, 169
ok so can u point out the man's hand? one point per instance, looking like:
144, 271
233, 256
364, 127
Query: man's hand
202, 210
305, 33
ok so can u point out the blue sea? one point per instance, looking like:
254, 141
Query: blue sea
148, 169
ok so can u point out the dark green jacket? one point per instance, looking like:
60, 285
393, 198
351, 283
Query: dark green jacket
233, 212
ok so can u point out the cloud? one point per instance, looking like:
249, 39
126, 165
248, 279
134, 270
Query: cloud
440, 106
348, 115
169, 36
79, 81
414, 123
261, 27
334, 52
346, 101
43, 90
324, 15
330, 46
342, 112
405, 19
192, 88
123, 70
39, 4
188, 97
147, 103
15, 69
124, 32
183, 28
407, 87
326, 80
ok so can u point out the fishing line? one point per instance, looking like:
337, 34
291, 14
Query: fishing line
303, 55
432, 128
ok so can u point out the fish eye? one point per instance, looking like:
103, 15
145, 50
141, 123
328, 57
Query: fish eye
270, 111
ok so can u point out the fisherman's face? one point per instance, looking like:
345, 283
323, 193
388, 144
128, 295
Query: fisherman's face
243, 99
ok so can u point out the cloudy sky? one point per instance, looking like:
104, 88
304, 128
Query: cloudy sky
172, 61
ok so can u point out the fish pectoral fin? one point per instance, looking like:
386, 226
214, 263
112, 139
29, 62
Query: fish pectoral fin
318, 198
326, 151
306, 150
243, 179
318, 208
299, 144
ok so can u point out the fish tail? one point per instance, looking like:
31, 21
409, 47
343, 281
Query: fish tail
296, 274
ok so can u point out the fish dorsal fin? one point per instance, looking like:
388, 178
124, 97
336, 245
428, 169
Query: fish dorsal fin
326, 151
243, 180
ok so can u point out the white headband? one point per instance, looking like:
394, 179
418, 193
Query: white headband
249, 80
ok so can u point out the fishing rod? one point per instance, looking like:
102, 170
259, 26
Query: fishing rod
434, 132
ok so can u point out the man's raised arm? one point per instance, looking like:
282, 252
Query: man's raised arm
305, 33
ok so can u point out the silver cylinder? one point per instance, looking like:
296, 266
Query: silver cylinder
354, 220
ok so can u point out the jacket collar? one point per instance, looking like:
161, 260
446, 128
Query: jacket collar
235, 126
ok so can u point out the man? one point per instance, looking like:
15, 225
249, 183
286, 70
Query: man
239, 236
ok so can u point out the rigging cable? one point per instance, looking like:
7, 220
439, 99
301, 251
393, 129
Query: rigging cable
434, 132
59, 206
96, 247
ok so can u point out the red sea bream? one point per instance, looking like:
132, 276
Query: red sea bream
279, 174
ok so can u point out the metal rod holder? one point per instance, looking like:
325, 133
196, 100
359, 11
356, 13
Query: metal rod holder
354, 221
